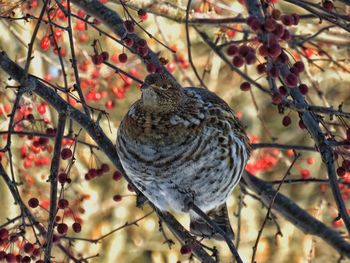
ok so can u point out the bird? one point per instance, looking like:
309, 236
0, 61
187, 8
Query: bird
182, 146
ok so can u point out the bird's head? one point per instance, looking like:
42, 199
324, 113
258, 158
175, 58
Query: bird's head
161, 92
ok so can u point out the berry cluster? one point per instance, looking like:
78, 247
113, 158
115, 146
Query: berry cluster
94, 172
28, 252
98, 59
273, 30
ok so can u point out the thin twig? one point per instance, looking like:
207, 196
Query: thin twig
189, 52
53, 183
255, 247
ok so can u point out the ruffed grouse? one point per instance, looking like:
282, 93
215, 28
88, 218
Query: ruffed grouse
181, 145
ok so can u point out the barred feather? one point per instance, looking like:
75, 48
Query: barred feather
192, 146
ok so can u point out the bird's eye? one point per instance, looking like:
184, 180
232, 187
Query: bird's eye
164, 87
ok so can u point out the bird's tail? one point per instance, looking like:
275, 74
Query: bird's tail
219, 215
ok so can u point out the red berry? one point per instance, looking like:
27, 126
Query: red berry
279, 30
243, 50
250, 19
286, 35
63, 203
286, 121
305, 173
341, 171
274, 50
296, 18
291, 80
310, 160
270, 24
66, 153
300, 66
301, 124
45, 43
28, 247
328, 5
105, 55
255, 25
151, 68
97, 59
142, 43
36, 252
62, 178
303, 89
250, 58
253, 22
33, 202
185, 249
11, 258
294, 70
276, 14
55, 238
283, 90
109, 104
131, 188
348, 133
142, 14
129, 25
41, 109
277, 98
261, 68
92, 173
117, 198
263, 50
123, 58
117, 176
142, 51
4, 233
238, 61
232, 50
58, 33
245, 86
26, 259
129, 42
62, 228
76, 227
287, 20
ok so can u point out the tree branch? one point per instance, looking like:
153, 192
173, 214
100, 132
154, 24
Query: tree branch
295, 214
53, 182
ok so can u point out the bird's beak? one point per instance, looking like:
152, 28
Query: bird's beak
144, 86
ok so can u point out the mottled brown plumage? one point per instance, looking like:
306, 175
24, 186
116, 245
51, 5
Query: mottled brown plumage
183, 145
